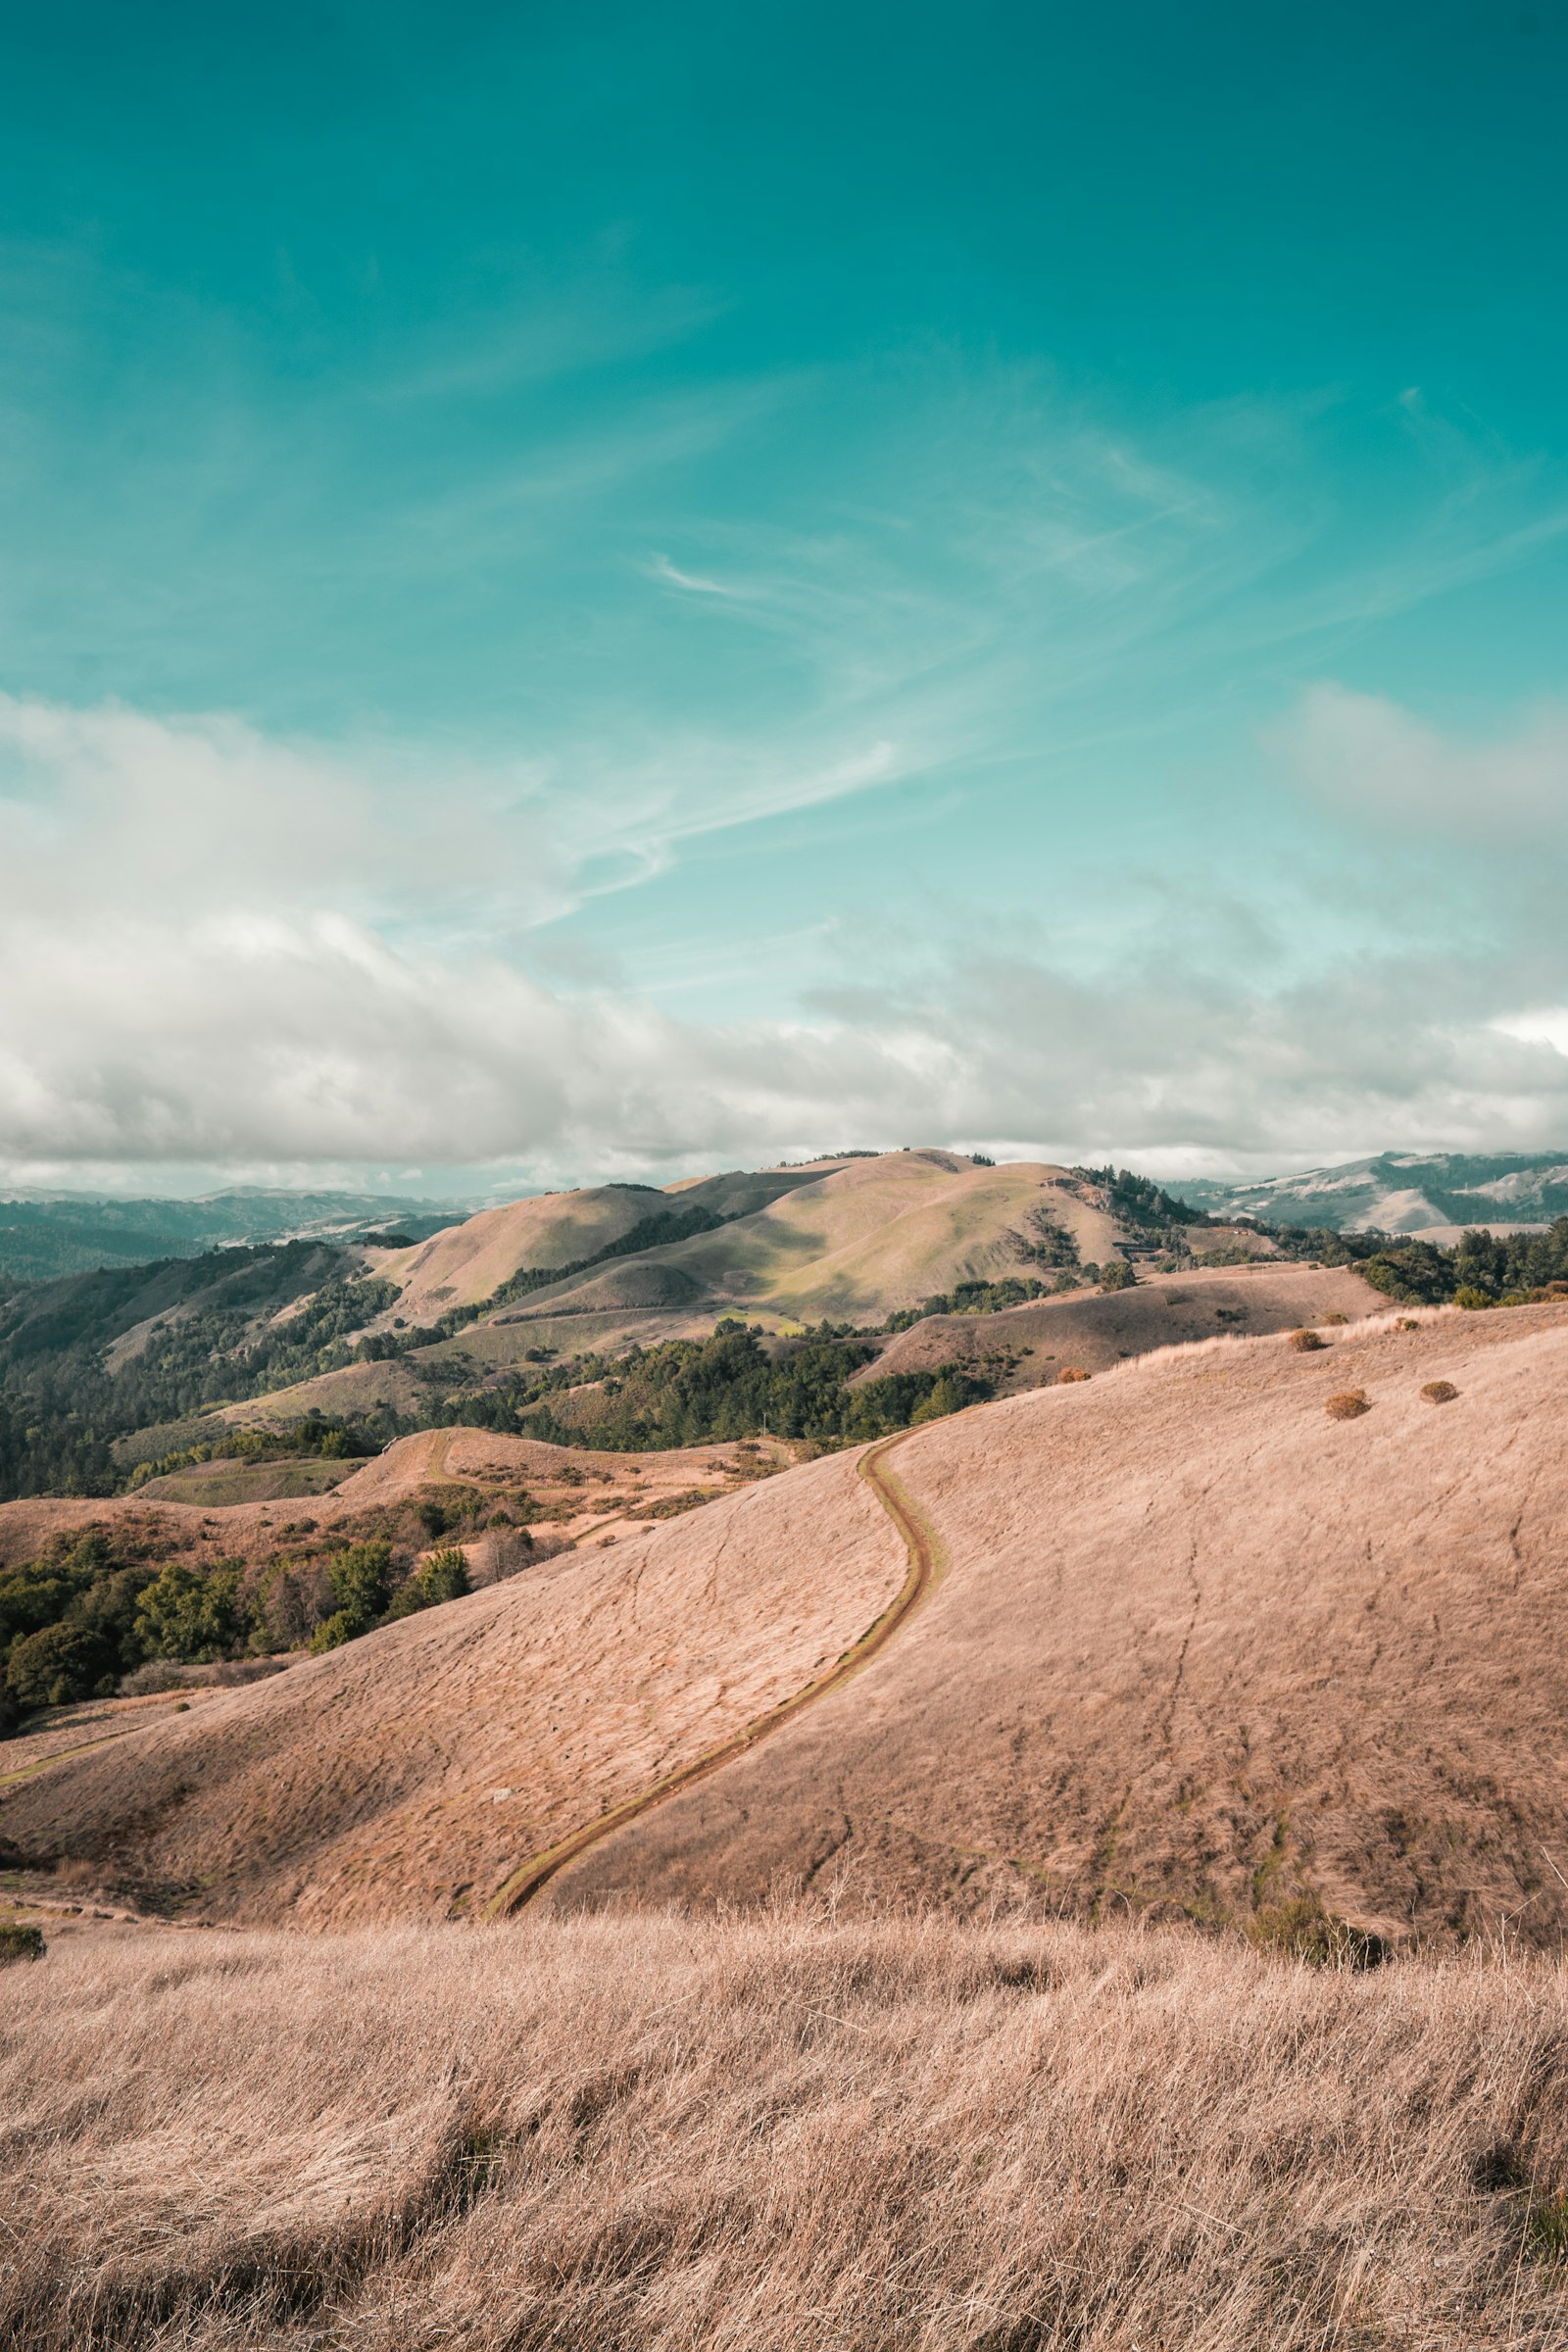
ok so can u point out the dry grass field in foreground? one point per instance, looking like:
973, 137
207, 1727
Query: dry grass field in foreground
768, 2134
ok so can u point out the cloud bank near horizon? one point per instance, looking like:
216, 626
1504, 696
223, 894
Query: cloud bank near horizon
223, 950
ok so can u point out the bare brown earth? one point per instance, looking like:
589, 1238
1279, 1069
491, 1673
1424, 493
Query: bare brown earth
409, 1773
1027, 1346
1200, 1648
1197, 1648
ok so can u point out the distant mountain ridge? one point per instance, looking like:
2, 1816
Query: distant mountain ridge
76, 1233
1401, 1192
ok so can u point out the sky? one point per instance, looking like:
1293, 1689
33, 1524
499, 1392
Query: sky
609, 592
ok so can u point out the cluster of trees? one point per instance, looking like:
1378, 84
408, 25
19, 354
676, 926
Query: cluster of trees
217, 1336
92, 1609
1482, 1270
970, 1299
691, 1392
1138, 1200
315, 1437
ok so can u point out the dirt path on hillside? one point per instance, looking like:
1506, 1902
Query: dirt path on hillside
925, 1571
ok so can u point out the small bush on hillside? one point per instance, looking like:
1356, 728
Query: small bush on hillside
1547, 2228
1117, 1275
19, 1943
1439, 1392
1335, 1317
1305, 1341
1468, 1296
1348, 1406
1071, 1372
1304, 1930
443, 1576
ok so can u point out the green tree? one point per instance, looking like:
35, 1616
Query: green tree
191, 1613
359, 1580
443, 1576
58, 1664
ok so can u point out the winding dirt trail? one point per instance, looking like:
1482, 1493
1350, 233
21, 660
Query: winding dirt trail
926, 1566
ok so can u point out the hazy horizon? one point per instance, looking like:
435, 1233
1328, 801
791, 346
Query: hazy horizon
601, 598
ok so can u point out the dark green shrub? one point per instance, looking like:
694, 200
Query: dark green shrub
189, 1614
360, 1582
342, 1626
443, 1576
58, 1664
19, 1943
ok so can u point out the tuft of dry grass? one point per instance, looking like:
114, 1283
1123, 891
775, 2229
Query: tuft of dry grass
659, 2135
1306, 1342
1348, 1406
1439, 1392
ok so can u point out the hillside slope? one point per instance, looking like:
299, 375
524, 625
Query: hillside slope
859, 1241
1403, 1192
1198, 1645
411, 1771
1201, 1645
1027, 1346
465, 1262
42, 1238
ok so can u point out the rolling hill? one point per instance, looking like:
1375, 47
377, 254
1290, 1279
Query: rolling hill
1181, 1644
1403, 1192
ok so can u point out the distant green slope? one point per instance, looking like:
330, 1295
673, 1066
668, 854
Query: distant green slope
1401, 1192
76, 1233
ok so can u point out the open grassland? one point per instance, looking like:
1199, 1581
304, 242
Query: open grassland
1193, 1646
776, 2135
856, 1242
412, 1773
1023, 1346
1199, 1647
464, 1262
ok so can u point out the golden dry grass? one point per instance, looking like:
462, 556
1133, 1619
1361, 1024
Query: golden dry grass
775, 2136
1195, 1647
1198, 1647
1020, 1346
410, 1773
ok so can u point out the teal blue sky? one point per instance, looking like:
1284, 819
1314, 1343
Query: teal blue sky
595, 591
